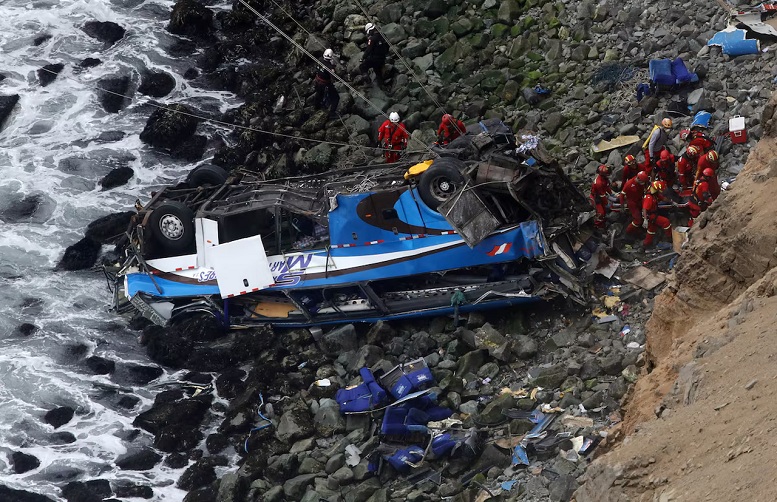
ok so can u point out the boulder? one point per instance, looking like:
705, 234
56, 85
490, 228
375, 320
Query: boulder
318, 158
117, 177
140, 460
106, 228
7, 104
23, 462
156, 84
112, 92
107, 32
21, 496
59, 416
48, 73
339, 340
100, 365
294, 424
94, 490
169, 127
199, 474
190, 18
181, 413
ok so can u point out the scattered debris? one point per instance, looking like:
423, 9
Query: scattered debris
644, 278
734, 43
751, 384
619, 142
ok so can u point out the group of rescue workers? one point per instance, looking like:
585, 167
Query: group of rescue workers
660, 177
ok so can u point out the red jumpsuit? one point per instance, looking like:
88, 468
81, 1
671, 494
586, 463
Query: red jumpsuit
393, 138
665, 170
633, 193
655, 220
628, 173
450, 130
686, 170
703, 164
599, 192
700, 141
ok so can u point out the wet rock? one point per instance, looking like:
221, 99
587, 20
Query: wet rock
339, 340
174, 423
199, 474
107, 32
117, 177
169, 127
328, 420
141, 460
23, 210
48, 73
100, 365
89, 63
7, 104
107, 228
12, 495
22, 462
59, 416
26, 329
95, 490
156, 84
126, 489
40, 39
295, 423
62, 438
190, 18
138, 374
112, 92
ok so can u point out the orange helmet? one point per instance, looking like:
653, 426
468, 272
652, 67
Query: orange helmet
629, 160
642, 177
712, 156
692, 151
603, 170
708, 173
667, 122
657, 187
665, 154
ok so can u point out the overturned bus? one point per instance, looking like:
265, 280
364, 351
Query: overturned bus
490, 222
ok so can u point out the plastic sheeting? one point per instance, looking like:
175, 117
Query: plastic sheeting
734, 43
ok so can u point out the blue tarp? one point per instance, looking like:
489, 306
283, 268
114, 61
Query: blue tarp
701, 119
669, 73
734, 43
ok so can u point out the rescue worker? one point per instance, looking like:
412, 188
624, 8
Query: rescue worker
630, 169
599, 192
709, 161
657, 141
665, 170
705, 192
698, 139
450, 129
375, 54
392, 137
326, 93
632, 194
686, 167
651, 220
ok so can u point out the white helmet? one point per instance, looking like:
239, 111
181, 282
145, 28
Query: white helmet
394, 117
329, 54
369, 27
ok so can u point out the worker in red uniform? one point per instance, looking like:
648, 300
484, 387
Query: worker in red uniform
701, 141
599, 191
709, 161
665, 170
450, 129
630, 169
632, 194
705, 192
392, 137
686, 167
651, 220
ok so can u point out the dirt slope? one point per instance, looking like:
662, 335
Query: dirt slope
700, 424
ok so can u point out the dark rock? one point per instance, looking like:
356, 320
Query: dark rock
26, 329
100, 365
117, 177
112, 92
127, 402
216, 443
130, 490
471, 362
59, 416
141, 375
11, 495
548, 377
562, 487
31, 306
339, 340
648, 105
156, 84
199, 474
62, 438
89, 63
7, 104
181, 438
169, 127
141, 460
177, 460
40, 39
107, 32
48, 73
90, 491
191, 149
190, 18
186, 413
205, 494
612, 363
191, 74
80, 256
524, 347
23, 462
107, 228
295, 423
22, 211
296, 487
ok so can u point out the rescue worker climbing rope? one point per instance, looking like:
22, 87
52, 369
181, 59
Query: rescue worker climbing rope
651, 220
326, 93
599, 191
392, 137
450, 129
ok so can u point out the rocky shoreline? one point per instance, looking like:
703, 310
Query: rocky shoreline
479, 59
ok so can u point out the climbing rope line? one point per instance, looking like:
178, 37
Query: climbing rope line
409, 68
227, 124
335, 75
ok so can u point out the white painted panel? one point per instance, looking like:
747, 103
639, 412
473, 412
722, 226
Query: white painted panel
241, 266
207, 237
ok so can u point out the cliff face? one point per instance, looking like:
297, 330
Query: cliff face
709, 350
